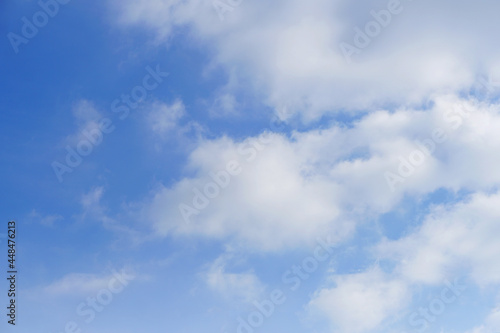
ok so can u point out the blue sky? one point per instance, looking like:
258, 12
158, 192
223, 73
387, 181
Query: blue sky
251, 166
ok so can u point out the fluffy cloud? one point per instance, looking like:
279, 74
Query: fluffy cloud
452, 239
267, 205
290, 50
271, 192
360, 302
244, 286
455, 240
275, 192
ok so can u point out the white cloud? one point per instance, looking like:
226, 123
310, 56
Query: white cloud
450, 240
455, 240
360, 302
91, 199
77, 284
85, 284
289, 191
45, 220
242, 286
170, 13
491, 322
163, 118
87, 120
330, 180
93, 210
224, 105
270, 205
289, 50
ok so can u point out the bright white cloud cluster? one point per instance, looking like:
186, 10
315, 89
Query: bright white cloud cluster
431, 66
360, 302
290, 50
284, 192
455, 241
392, 114
288, 191
268, 205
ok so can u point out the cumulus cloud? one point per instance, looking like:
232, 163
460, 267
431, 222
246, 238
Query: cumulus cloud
457, 240
361, 302
462, 237
242, 286
289, 51
414, 136
266, 205
271, 192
